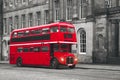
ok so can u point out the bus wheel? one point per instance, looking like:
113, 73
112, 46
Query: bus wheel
54, 64
19, 62
71, 67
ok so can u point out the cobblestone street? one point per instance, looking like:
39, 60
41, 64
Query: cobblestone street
81, 72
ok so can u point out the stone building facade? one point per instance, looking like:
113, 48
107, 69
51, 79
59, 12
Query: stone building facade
19, 14
96, 23
97, 27
76, 12
107, 17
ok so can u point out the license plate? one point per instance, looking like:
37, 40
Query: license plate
70, 64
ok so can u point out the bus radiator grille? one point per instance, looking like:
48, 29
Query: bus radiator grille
69, 60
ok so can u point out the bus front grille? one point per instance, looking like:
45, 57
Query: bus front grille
69, 60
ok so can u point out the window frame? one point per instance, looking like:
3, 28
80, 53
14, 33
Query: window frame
23, 20
82, 42
69, 10
38, 18
30, 19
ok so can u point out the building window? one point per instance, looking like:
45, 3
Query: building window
5, 25
10, 24
30, 19
23, 21
38, 18
5, 4
10, 4
119, 3
100, 41
16, 22
17, 2
46, 17
57, 10
108, 3
23, 1
82, 41
30, 1
69, 9
83, 8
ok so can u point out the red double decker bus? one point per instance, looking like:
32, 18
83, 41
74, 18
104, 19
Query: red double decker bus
45, 45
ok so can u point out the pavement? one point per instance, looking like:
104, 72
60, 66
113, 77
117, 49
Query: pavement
89, 66
110, 67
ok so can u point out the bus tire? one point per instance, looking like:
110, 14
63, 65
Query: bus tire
71, 67
19, 62
54, 64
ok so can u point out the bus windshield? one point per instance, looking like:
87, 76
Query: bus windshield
61, 47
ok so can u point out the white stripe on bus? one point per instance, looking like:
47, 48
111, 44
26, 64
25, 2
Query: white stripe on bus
42, 43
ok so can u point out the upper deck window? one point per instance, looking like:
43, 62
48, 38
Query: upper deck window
26, 33
63, 29
45, 30
71, 30
54, 29
20, 34
14, 34
36, 31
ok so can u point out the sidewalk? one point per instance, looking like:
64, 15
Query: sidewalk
89, 66
4, 62
99, 66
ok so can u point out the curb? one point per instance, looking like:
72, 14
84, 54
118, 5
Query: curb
4, 62
99, 67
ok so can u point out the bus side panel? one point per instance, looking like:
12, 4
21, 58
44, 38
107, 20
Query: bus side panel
12, 55
55, 36
45, 56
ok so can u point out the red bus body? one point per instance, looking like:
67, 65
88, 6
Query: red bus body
45, 45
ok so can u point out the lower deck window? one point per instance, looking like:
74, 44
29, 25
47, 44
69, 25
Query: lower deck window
44, 49
25, 50
20, 49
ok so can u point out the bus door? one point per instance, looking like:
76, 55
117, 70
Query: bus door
45, 55
52, 50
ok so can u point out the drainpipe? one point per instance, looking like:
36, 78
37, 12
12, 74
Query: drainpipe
1, 27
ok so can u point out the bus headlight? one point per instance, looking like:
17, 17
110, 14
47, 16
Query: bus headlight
62, 59
76, 59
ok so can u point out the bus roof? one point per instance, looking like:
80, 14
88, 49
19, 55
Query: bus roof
40, 26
